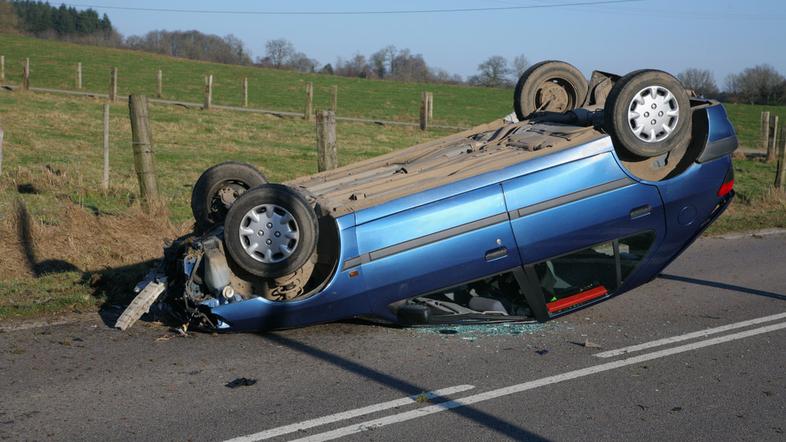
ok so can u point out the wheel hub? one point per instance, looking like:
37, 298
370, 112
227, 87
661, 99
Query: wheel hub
269, 233
653, 114
552, 97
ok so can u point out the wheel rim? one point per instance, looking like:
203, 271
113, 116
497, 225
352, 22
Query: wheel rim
269, 233
653, 114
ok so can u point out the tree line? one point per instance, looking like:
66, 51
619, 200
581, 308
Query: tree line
42, 19
761, 84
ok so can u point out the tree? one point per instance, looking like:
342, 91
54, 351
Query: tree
408, 67
279, 51
300, 62
382, 61
520, 64
8, 19
700, 81
355, 67
327, 69
493, 72
760, 84
192, 44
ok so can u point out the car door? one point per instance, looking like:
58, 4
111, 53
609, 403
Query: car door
436, 245
581, 229
578, 204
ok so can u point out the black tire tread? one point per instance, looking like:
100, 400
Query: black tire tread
523, 112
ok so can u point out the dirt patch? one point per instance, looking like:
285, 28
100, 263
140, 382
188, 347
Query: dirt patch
80, 241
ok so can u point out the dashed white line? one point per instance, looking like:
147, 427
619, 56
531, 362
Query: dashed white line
689, 336
500, 392
273, 432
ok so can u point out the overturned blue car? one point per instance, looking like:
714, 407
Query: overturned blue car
588, 190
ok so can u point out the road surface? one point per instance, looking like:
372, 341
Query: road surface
709, 364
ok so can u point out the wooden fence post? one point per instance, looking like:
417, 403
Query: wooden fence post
159, 84
142, 143
430, 105
764, 135
245, 91
772, 143
334, 98
26, 75
208, 92
326, 141
113, 86
1, 151
308, 114
780, 170
105, 176
79, 75
2, 67
423, 111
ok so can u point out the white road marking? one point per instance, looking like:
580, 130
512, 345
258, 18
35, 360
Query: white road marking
688, 336
273, 432
500, 392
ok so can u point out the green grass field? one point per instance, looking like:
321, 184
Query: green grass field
53, 64
67, 245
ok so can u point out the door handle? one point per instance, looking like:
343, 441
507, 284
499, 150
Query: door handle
499, 252
640, 212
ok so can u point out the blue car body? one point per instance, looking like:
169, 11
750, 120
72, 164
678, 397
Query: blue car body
511, 219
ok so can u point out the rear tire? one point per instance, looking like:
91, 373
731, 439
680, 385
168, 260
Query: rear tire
549, 86
647, 113
216, 190
271, 231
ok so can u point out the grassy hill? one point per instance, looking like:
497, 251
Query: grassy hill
53, 64
67, 245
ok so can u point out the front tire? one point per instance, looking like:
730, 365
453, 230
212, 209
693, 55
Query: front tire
271, 231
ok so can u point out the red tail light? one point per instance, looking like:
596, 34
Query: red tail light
728, 183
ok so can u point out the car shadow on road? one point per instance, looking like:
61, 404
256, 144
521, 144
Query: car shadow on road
723, 285
487, 420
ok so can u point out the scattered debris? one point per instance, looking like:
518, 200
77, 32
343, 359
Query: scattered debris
675, 409
481, 330
241, 382
587, 344
541, 352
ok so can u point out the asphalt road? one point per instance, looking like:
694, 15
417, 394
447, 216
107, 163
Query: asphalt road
85, 381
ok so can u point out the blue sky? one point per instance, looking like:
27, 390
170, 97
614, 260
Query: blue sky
723, 35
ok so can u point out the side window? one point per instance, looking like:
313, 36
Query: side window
578, 277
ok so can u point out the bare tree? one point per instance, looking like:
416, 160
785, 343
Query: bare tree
700, 81
760, 84
357, 66
301, 62
279, 51
493, 72
520, 64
